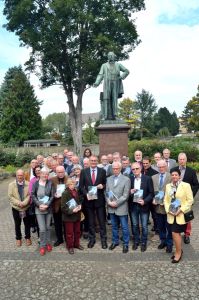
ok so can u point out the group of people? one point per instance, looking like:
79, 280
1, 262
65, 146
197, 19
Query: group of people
82, 195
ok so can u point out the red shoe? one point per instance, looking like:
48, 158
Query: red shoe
42, 251
49, 247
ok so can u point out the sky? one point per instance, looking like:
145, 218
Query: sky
165, 63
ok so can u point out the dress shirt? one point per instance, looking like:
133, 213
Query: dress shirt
137, 183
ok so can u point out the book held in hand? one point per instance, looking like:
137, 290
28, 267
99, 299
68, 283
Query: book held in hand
174, 206
159, 197
44, 199
138, 195
92, 193
111, 196
60, 190
71, 204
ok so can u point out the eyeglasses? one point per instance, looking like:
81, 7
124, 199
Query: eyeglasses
135, 169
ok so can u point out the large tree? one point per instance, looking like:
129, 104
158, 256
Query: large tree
146, 107
69, 41
164, 119
56, 122
19, 108
190, 115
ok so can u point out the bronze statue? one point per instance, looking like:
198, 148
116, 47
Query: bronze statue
113, 87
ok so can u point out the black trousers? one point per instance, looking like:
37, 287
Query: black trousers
58, 225
100, 213
17, 221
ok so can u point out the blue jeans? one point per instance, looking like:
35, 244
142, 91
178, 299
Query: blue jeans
138, 215
115, 229
164, 229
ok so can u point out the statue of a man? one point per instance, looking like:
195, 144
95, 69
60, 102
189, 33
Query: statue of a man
113, 87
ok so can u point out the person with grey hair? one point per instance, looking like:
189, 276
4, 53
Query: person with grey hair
18, 195
160, 181
117, 194
42, 196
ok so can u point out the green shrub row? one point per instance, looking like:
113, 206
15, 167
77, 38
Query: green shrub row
149, 147
14, 158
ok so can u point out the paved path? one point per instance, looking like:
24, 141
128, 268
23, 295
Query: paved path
96, 273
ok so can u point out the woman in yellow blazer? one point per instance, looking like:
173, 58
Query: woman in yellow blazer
182, 191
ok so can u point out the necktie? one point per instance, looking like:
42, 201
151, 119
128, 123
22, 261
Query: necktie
161, 181
93, 176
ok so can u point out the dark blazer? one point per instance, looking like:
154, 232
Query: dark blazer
148, 192
150, 172
191, 178
86, 181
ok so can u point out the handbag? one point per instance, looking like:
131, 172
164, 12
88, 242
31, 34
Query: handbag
189, 216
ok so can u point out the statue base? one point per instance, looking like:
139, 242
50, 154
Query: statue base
113, 137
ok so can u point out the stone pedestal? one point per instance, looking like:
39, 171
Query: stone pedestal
113, 138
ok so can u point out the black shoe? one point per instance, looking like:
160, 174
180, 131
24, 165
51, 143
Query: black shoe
57, 243
175, 261
113, 246
91, 244
186, 239
135, 246
168, 249
143, 247
85, 236
162, 245
173, 256
125, 249
104, 245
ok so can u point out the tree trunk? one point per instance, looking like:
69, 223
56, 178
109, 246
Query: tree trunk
75, 117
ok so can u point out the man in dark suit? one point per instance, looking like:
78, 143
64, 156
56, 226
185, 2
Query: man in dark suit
160, 181
94, 176
149, 171
140, 204
187, 175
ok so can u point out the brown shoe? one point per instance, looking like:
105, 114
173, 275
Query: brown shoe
18, 243
28, 242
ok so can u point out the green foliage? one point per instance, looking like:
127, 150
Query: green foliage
127, 111
145, 107
24, 158
69, 40
190, 116
56, 122
149, 147
10, 169
89, 136
19, 109
163, 132
164, 119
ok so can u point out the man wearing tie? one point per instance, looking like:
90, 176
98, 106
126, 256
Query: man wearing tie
94, 176
159, 184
